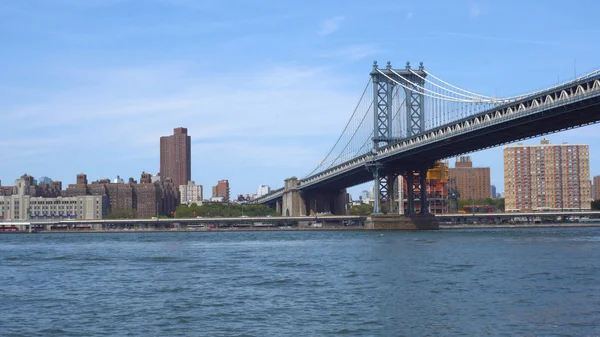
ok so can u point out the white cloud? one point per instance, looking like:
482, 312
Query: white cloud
499, 39
283, 117
331, 25
475, 10
353, 53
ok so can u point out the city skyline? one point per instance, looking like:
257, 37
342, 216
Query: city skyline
109, 85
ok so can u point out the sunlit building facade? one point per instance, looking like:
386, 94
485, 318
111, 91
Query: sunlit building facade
547, 177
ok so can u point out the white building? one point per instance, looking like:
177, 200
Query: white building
21, 206
118, 180
191, 193
262, 190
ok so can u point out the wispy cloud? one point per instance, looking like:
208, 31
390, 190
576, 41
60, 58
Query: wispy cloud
256, 115
475, 10
352, 53
330, 25
499, 39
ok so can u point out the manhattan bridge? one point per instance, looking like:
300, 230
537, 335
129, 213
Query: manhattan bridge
406, 119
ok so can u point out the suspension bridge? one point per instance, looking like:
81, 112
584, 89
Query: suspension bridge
408, 118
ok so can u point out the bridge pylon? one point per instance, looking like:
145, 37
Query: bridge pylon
383, 94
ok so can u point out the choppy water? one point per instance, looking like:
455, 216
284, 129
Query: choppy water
472, 283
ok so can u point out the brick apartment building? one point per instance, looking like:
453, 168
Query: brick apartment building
547, 177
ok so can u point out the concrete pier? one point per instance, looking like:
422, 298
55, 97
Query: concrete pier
401, 222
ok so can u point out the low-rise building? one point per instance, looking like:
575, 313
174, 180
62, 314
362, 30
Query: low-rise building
22, 206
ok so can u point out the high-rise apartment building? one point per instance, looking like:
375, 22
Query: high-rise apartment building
596, 187
546, 177
262, 190
470, 183
175, 157
221, 190
190, 193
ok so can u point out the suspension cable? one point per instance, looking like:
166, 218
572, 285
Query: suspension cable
455, 87
450, 99
347, 124
475, 96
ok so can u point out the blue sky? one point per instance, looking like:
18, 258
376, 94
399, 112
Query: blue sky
264, 87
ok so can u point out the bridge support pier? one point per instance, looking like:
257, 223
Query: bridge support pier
327, 202
416, 185
292, 203
295, 203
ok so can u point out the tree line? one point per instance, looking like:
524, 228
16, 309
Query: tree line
222, 210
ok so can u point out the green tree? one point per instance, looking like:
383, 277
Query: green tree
362, 209
596, 205
120, 213
223, 210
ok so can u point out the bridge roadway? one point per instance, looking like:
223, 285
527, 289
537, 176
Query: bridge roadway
568, 106
169, 222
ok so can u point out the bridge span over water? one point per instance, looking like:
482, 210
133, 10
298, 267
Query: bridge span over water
406, 119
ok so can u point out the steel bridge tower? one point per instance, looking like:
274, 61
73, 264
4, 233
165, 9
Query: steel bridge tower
384, 89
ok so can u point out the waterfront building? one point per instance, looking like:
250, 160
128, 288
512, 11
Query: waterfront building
20, 205
547, 177
175, 157
263, 190
120, 196
596, 187
146, 200
221, 190
470, 183
190, 193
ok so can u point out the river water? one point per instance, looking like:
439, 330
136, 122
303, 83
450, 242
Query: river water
302, 283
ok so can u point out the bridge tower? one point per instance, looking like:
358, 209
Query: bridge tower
384, 89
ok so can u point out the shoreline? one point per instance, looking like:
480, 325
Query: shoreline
442, 227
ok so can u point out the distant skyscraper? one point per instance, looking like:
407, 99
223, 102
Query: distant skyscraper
596, 187
547, 177
364, 194
263, 190
221, 190
493, 190
45, 180
175, 157
470, 182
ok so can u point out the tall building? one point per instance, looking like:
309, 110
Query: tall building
190, 193
175, 157
221, 190
262, 190
596, 187
44, 180
493, 192
470, 183
546, 177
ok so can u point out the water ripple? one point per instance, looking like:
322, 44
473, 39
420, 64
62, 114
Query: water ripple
469, 282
